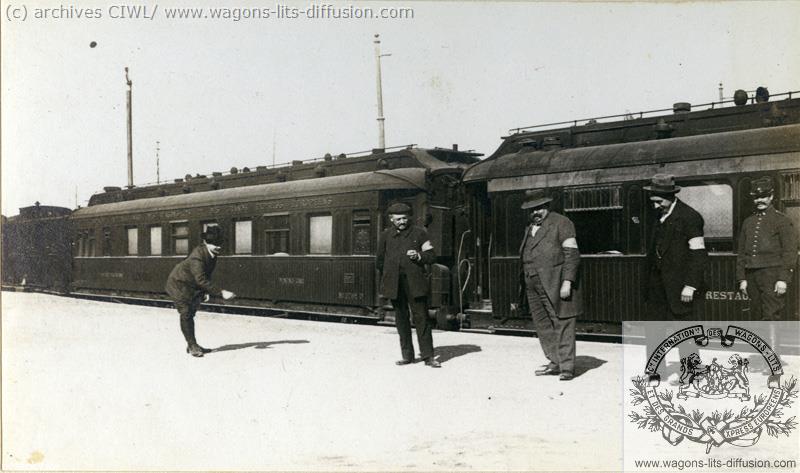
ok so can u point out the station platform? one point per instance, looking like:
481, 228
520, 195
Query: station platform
91, 385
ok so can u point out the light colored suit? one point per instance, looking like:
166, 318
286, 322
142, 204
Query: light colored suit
546, 257
546, 264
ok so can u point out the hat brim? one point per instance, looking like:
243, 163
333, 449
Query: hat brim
662, 190
217, 240
762, 194
399, 209
531, 204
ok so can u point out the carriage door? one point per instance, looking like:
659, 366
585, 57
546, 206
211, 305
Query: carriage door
789, 192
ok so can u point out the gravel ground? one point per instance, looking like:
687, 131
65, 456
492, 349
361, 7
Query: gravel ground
100, 386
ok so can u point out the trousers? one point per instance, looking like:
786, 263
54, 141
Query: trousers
557, 336
764, 303
406, 307
187, 311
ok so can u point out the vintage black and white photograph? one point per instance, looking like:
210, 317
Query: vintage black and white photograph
400, 236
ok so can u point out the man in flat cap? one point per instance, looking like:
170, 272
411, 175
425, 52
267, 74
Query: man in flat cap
676, 255
403, 252
189, 284
549, 283
767, 254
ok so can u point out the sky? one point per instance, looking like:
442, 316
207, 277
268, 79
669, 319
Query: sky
217, 92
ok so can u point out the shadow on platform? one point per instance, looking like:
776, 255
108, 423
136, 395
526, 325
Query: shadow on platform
447, 353
586, 363
256, 345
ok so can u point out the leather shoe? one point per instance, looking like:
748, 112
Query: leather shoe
403, 362
566, 376
195, 350
432, 363
547, 371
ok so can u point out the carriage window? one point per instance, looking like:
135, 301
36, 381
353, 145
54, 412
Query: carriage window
81, 243
362, 238
790, 195
715, 203
594, 208
106, 241
509, 222
790, 187
86, 243
320, 234
133, 241
155, 240
90, 247
180, 238
244, 237
276, 234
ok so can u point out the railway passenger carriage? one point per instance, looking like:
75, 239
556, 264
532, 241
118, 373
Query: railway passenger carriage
302, 238
305, 245
597, 171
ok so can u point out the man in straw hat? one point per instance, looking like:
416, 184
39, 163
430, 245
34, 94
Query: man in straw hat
767, 254
676, 256
189, 284
403, 252
549, 283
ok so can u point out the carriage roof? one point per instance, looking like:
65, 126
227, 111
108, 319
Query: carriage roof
407, 178
766, 142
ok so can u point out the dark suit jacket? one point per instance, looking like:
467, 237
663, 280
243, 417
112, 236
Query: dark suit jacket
553, 263
191, 278
392, 261
679, 265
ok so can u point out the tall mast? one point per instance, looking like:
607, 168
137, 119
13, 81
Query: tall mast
381, 118
130, 129
158, 164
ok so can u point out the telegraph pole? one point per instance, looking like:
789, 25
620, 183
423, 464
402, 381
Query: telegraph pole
158, 164
130, 130
381, 118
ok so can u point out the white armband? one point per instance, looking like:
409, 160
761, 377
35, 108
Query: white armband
570, 243
697, 243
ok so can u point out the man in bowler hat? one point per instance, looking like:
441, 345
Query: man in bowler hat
549, 283
189, 284
403, 252
767, 248
676, 255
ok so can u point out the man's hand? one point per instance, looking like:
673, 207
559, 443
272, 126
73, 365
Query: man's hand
566, 289
413, 255
227, 295
743, 287
780, 287
687, 294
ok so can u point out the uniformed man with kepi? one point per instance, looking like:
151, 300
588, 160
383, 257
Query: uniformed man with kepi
767, 254
189, 284
403, 252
